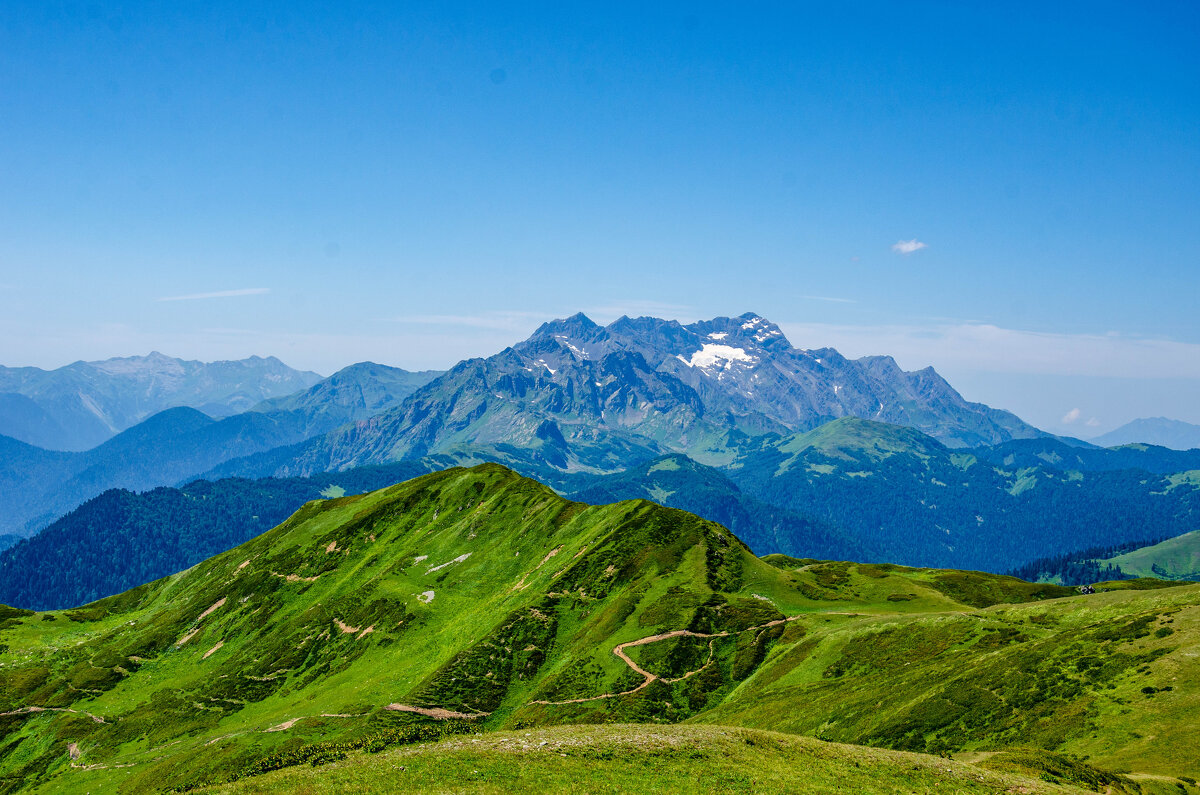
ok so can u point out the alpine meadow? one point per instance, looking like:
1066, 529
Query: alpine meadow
696, 398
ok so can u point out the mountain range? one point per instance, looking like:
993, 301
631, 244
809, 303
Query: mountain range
576, 396
723, 418
849, 490
175, 445
84, 404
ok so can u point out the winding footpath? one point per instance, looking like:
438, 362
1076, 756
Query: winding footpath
648, 677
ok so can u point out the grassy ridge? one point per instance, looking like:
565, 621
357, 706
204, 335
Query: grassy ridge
1175, 558
475, 591
1109, 676
482, 596
607, 759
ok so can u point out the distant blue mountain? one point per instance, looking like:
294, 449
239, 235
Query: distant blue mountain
84, 404
39, 485
1161, 431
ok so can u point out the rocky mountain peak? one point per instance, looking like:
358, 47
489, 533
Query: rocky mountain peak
750, 332
576, 327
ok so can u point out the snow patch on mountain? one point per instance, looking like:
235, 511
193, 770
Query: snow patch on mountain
713, 355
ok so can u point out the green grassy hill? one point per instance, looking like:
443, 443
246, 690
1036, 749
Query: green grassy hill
1174, 559
616, 758
474, 599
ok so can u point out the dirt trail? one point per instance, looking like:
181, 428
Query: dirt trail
648, 677
436, 712
287, 724
35, 710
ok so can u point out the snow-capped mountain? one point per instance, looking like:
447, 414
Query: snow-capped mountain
576, 395
747, 366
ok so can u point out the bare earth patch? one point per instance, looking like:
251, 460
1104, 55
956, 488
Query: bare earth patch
295, 577
345, 628
213, 650
459, 559
437, 713
521, 585
219, 604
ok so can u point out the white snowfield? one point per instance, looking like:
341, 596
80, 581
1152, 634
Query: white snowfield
713, 355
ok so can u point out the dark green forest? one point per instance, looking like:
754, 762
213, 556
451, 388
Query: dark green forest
120, 539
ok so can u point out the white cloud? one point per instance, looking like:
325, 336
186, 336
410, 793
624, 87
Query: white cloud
503, 320
982, 347
219, 294
1071, 416
908, 246
1093, 423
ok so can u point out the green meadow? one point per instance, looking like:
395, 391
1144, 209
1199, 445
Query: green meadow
439, 624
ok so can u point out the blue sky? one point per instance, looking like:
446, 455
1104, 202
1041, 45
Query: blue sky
414, 184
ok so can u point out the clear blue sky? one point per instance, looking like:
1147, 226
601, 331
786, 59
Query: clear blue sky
412, 185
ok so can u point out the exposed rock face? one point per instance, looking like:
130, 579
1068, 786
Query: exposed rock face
576, 395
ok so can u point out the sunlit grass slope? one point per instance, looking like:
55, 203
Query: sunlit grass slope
1175, 558
474, 599
1112, 676
639, 758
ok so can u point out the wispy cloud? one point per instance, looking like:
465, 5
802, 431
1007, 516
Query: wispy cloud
908, 246
830, 299
523, 322
1093, 423
1071, 416
219, 294
504, 320
636, 308
981, 347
